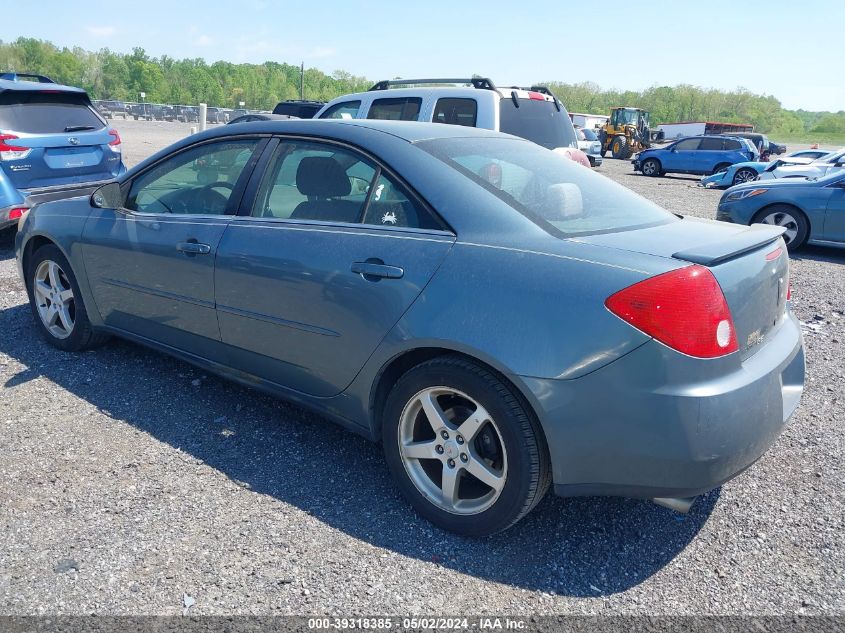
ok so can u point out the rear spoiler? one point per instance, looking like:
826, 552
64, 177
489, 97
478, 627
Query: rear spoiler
754, 237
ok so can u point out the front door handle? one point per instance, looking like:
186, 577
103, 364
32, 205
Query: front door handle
375, 270
193, 248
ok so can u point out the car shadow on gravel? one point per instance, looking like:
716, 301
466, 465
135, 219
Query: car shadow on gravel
827, 254
577, 547
7, 243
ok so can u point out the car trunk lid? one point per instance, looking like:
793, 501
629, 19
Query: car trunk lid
750, 263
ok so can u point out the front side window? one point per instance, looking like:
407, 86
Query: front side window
686, 145
456, 112
397, 109
198, 181
317, 181
343, 110
551, 190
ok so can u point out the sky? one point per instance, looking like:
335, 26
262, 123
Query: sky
786, 48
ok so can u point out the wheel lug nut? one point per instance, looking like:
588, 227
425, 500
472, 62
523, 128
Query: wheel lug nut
451, 463
459, 439
444, 435
439, 449
464, 458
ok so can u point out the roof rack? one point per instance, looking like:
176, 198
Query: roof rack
38, 78
481, 83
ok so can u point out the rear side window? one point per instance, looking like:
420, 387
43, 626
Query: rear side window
537, 121
456, 112
554, 192
47, 113
733, 144
711, 144
398, 109
343, 110
323, 182
686, 145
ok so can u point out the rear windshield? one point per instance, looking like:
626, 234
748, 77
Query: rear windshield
538, 121
555, 192
46, 113
589, 135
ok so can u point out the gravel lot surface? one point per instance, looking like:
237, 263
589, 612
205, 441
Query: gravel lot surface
131, 483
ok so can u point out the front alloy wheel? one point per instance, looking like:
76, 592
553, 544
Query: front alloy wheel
789, 218
54, 299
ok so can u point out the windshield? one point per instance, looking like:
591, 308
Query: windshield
589, 135
628, 116
831, 158
558, 194
537, 120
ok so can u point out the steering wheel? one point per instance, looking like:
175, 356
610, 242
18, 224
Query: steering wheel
219, 183
212, 201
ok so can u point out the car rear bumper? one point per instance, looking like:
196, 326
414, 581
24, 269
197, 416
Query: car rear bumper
637, 165
656, 423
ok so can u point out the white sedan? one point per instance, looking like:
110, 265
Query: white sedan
816, 169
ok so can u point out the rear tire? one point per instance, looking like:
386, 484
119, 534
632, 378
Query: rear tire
56, 302
619, 148
651, 167
794, 220
463, 448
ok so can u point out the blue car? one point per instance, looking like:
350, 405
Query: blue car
501, 319
812, 211
695, 155
53, 144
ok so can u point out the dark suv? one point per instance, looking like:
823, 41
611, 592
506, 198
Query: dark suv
762, 143
298, 108
215, 115
53, 144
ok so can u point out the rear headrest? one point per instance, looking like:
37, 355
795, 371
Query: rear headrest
564, 200
322, 177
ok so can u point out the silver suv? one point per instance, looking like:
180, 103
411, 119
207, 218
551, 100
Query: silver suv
532, 113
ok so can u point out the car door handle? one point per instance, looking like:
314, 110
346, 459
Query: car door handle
193, 248
372, 271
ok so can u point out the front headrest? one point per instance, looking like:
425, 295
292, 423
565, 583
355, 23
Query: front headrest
322, 177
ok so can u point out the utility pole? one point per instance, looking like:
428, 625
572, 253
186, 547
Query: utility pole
302, 81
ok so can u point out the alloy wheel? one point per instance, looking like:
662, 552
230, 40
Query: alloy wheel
785, 220
54, 299
744, 175
452, 450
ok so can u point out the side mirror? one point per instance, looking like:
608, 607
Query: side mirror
108, 196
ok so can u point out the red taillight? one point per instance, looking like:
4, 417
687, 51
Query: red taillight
537, 96
116, 137
12, 152
16, 214
5, 147
684, 309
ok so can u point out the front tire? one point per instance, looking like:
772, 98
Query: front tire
463, 448
651, 167
619, 148
56, 302
744, 174
794, 221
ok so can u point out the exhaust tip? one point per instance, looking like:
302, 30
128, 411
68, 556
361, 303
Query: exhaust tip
678, 504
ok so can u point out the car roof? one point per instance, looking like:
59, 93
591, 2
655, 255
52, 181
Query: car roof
411, 131
17, 85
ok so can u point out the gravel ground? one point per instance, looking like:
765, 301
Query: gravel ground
132, 482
